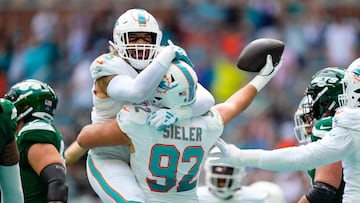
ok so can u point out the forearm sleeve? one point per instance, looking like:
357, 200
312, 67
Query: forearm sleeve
303, 157
10, 182
137, 90
125, 88
285, 159
204, 101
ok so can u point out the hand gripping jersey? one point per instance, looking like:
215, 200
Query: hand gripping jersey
167, 164
8, 122
36, 131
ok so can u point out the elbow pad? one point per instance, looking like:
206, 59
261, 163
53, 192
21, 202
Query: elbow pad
321, 192
54, 176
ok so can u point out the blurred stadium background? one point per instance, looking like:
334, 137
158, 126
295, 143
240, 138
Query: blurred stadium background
55, 41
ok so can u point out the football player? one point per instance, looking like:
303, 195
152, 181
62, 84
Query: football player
341, 143
223, 184
40, 144
10, 182
129, 74
167, 163
313, 120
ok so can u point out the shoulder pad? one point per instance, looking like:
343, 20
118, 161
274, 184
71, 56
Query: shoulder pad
136, 114
37, 125
347, 118
109, 64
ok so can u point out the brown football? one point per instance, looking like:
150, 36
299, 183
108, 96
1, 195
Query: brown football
253, 57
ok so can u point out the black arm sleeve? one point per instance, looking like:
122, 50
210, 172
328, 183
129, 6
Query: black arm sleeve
55, 177
321, 192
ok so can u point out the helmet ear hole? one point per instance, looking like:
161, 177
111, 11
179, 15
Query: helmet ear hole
153, 38
158, 98
172, 78
11, 97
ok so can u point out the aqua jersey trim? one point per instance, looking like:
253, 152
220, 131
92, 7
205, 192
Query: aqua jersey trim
113, 194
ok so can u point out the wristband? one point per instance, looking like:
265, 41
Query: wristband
259, 82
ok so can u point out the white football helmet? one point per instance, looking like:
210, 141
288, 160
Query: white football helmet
300, 120
178, 87
351, 86
136, 20
223, 180
275, 193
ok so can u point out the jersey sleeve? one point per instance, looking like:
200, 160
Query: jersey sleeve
8, 122
33, 133
347, 118
132, 115
39, 132
217, 122
204, 101
333, 147
107, 64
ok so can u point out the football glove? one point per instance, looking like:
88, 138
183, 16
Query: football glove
266, 73
229, 155
166, 55
222, 145
163, 118
180, 54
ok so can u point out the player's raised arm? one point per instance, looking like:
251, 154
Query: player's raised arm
241, 99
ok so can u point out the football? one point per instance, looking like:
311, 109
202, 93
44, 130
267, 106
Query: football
253, 57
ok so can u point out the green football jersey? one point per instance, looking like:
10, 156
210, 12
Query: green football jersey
36, 131
319, 130
8, 122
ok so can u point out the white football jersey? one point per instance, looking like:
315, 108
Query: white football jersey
244, 195
109, 64
107, 108
341, 143
167, 163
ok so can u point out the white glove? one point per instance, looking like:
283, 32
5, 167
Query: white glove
161, 119
266, 73
180, 54
164, 118
229, 156
166, 55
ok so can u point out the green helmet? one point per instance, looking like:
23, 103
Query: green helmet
324, 88
7, 119
33, 98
